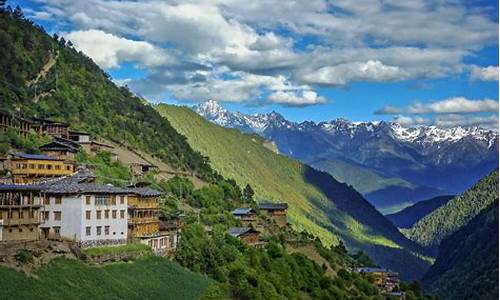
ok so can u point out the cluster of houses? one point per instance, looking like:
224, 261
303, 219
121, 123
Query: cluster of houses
386, 280
44, 196
252, 229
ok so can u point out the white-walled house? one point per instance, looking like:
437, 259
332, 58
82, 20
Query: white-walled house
88, 213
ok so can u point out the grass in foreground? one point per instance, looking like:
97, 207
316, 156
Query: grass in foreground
147, 278
119, 249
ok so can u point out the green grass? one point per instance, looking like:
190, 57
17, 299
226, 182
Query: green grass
128, 248
279, 178
147, 278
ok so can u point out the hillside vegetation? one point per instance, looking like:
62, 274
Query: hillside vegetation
82, 94
318, 203
148, 278
411, 215
442, 222
467, 265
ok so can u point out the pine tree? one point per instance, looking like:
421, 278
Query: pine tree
248, 193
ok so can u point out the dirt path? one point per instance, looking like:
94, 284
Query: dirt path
45, 69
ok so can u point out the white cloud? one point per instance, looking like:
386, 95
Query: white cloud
410, 120
453, 120
486, 74
109, 50
372, 70
446, 106
296, 97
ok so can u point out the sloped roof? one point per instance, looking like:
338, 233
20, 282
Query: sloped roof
57, 145
145, 192
34, 156
239, 231
242, 211
273, 206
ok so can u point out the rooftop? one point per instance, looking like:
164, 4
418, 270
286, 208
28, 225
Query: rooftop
239, 231
242, 211
34, 156
273, 206
145, 192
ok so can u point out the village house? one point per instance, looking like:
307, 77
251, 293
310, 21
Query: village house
170, 230
10, 121
61, 149
77, 209
247, 235
144, 212
79, 137
19, 212
26, 168
53, 128
384, 279
142, 168
247, 216
275, 211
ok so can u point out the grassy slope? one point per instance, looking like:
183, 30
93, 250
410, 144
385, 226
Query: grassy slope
407, 217
361, 178
467, 265
442, 222
149, 278
279, 178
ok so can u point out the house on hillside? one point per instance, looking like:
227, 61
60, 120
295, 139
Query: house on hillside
386, 280
53, 128
77, 209
19, 212
79, 137
60, 149
142, 168
247, 235
246, 215
26, 168
275, 211
10, 121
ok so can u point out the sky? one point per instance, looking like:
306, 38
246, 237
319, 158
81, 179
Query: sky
411, 61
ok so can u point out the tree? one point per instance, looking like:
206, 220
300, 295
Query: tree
248, 193
18, 13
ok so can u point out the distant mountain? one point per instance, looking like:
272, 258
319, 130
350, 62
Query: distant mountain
447, 219
318, 203
467, 265
412, 214
401, 165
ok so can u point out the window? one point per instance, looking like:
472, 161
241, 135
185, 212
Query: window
114, 214
46, 215
88, 230
122, 214
106, 230
25, 166
49, 167
57, 230
57, 215
68, 168
32, 214
10, 215
113, 200
58, 167
87, 214
98, 230
32, 166
122, 199
87, 200
58, 199
102, 200
98, 214
46, 200
18, 166
20, 229
106, 214
40, 166
21, 214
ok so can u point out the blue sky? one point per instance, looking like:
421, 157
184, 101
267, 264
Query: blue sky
416, 62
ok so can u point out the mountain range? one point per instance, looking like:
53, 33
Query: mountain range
391, 165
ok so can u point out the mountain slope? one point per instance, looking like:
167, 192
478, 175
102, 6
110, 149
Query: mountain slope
318, 203
447, 219
72, 279
422, 158
410, 215
82, 94
467, 265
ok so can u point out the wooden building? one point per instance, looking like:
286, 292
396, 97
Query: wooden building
142, 168
10, 121
246, 215
144, 212
53, 128
79, 136
247, 235
19, 212
61, 149
25, 168
275, 211
386, 280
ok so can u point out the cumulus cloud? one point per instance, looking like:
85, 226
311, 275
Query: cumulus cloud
486, 74
345, 41
453, 120
447, 106
109, 50
410, 120
372, 70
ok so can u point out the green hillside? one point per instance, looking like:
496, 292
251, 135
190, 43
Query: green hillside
361, 178
81, 94
148, 278
447, 219
318, 203
467, 265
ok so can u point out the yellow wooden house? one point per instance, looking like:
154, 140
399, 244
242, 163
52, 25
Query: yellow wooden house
26, 168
